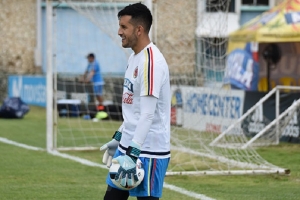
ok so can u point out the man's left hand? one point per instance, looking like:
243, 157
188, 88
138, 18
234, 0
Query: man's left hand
127, 171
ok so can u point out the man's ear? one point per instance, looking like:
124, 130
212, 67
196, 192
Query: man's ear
140, 30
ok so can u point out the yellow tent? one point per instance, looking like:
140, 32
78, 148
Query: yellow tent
280, 24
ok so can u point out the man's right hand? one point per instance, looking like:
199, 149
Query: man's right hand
80, 79
110, 148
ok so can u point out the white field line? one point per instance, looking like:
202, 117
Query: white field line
78, 159
93, 164
186, 192
25, 146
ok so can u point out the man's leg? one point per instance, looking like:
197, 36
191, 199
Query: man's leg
100, 100
98, 91
147, 198
152, 185
115, 194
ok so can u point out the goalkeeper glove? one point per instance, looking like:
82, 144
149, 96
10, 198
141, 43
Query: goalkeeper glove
126, 175
111, 148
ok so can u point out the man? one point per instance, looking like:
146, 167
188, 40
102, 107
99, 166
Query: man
93, 74
146, 108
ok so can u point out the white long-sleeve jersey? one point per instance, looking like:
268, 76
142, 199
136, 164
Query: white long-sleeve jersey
147, 74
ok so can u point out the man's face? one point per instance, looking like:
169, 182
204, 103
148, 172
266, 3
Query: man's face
90, 59
127, 31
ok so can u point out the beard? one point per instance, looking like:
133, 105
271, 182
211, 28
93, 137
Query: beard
130, 41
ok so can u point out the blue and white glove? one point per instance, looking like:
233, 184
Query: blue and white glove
127, 172
111, 148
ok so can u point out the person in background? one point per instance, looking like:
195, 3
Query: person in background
93, 74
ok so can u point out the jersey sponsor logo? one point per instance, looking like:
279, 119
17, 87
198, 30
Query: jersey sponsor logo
128, 84
135, 73
127, 98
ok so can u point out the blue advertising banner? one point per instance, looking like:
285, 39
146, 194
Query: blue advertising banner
31, 89
242, 71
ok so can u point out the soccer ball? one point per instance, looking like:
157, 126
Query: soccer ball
113, 170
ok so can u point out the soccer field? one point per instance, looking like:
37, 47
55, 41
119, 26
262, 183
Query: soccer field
28, 174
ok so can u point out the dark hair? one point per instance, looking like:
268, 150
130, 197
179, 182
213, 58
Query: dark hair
91, 55
139, 14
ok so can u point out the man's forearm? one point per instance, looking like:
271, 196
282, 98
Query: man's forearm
148, 105
89, 76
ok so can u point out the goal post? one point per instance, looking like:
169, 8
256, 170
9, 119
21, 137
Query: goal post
90, 26
269, 132
49, 79
288, 113
243, 117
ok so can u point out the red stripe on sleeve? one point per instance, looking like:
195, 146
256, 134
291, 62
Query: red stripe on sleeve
151, 72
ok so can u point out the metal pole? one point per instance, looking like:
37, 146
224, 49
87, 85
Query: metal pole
49, 78
268, 76
277, 103
38, 48
243, 116
271, 124
148, 3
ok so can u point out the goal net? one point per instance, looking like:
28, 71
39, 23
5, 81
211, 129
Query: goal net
201, 108
265, 123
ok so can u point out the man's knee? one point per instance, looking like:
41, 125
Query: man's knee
115, 194
147, 198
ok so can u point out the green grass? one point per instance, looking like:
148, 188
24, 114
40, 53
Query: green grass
26, 174
29, 130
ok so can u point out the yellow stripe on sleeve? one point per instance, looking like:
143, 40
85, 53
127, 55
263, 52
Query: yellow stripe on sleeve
146, 71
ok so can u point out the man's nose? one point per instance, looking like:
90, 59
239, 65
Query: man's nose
120, 32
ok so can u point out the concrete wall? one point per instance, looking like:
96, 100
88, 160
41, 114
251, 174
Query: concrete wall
175, 23
18, 36
17, 40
